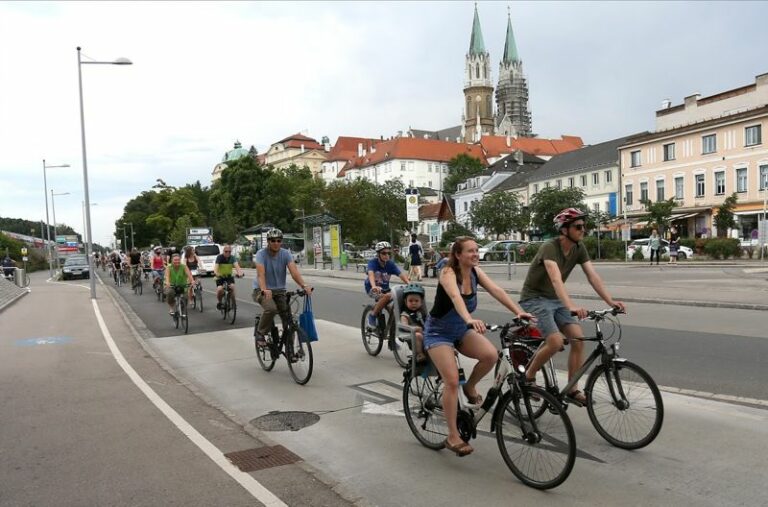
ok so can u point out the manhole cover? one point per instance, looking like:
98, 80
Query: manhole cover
261, 458
285, 421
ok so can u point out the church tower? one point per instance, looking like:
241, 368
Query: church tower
513, 115
478, 88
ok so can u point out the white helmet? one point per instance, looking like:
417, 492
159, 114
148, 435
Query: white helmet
274, 233
381, 245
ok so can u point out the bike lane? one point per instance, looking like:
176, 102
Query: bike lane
79, 426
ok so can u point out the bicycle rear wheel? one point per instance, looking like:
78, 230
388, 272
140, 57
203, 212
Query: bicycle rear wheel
539, 451
423, 408
184, 316
372, 340
199, 297
624, 404
141, 286
298, 352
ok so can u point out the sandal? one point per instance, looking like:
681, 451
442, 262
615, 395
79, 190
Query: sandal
462, 449
577, 398
473, 400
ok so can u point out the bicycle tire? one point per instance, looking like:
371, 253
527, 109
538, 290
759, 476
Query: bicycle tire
232, 307
267, 356
555, 442
521, 356
298, 353
644, 399
184, 315
141, 287
225, 305
176, 315
422, 406
199, 297
158, 291
401, 349
372, 340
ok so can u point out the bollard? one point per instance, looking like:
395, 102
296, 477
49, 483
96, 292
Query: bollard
19, 276
509, 266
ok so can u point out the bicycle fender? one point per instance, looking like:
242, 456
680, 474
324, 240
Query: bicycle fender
619, 359
500, 402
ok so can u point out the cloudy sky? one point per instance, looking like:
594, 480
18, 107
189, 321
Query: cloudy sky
206, 74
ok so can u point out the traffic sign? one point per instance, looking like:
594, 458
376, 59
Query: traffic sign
24, 251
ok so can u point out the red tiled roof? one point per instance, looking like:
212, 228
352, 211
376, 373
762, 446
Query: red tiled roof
430, 210
346, 147
419, 149
297, 140
495, 146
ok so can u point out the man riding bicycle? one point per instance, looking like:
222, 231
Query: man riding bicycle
544, 295
134, 263
176, 277
222, 269
269, 286
380, 269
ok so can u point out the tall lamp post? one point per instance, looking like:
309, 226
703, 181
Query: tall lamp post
132, 244
765, 216
89, 247
48, 246
55, 232
85, 238
123, 245
304, 236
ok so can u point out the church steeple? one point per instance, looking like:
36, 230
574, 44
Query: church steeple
476, 44
510, 48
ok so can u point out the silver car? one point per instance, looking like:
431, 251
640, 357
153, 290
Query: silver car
76, 266
683, 252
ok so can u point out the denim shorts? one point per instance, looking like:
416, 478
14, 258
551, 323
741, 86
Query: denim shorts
445, 331
551, 314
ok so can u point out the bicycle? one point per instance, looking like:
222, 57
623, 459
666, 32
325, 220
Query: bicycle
228, 302
157, 286
197, 292
136, 283
373, 339
293, 343
180, 317
624, 403
539, 450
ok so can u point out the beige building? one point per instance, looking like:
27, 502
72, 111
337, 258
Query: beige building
702, 151
297, 149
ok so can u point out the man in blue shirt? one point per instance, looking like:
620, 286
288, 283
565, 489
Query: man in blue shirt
269, 286
380, 269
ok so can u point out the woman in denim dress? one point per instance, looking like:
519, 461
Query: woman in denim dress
450, 326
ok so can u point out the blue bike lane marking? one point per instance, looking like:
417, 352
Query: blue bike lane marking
46, 340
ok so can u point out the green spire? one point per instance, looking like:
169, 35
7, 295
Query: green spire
476, 44
510, 48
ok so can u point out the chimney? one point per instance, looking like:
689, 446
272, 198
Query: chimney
302, 149
399, 133
359, 149
509, 141
666, 103
519, 157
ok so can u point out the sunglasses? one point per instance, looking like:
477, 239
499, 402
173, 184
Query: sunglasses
275, 240
579, 227
385, 253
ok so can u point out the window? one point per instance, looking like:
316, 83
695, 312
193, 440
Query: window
535, 188
659, 190
570, 182
709, 144
595, 178
752, 135
679, 189
741, 179
411, 166
643, 191
430, 184
608, 176
720, 183
583, 180
429, 168
410, 183
547, 184
628, 195
402, 167
559, 184
465, 205
634, 158
763, 177
669, 152
700, 185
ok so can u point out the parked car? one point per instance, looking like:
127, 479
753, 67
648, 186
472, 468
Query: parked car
683, 252
497, 250
75, 266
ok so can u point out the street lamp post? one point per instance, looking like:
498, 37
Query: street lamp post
80, 63
132, 243
85, 238
47, 221
123, 245
764, 224
304, 237
55, 232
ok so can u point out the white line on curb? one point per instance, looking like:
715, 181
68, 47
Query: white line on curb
250, 484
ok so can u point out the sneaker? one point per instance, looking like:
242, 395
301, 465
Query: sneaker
218, 306
371, 321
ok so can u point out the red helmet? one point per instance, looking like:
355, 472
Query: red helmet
567, 216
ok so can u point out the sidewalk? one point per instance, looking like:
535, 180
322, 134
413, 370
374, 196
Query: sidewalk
747, 291
9, 293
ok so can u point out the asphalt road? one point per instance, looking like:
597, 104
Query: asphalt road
720, 351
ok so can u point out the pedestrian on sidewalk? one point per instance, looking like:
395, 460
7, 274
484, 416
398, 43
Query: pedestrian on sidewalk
416, 252
674, 244
654, 243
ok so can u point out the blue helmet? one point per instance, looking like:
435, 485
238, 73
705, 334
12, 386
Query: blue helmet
413, 288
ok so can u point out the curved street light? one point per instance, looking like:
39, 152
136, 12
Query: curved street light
48, 246
89, 244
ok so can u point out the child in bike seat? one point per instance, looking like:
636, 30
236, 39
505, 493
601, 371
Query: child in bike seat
413, 314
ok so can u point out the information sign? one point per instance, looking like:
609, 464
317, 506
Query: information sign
412, 204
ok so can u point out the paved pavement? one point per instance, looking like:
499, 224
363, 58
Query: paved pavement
725, 284
9, 293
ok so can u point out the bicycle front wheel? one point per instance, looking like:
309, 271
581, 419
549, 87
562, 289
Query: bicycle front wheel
298, 352
624, 404
184, 316
141, 287
269, 354
199, 298
232, 307
541, 450
423, 408
372, 340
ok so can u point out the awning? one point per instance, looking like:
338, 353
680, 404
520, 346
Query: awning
674, 218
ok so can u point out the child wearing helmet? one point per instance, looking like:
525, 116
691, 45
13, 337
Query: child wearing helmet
379, 271
413, 314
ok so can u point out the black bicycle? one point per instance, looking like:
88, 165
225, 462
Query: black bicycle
180, 317
293, 343
624, 403
373, 338
197, 292
136, 283
539, 448
228, 302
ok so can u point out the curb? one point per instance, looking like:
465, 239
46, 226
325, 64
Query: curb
15, 298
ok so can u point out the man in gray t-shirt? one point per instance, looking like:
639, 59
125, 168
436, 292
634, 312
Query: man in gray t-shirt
269, 286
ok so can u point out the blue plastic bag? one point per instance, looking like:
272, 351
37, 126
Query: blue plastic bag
307, 320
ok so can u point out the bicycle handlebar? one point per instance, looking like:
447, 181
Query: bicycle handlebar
599, 314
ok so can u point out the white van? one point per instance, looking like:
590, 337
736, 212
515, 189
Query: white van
207, 257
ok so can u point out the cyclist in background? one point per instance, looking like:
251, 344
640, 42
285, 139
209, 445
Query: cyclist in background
380, 269
269, 286
157, 262
222, 269
117, 263
544, 295
134, 263
191, 261
177, 275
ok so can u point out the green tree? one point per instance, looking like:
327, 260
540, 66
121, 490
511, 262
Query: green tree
453, 231
497, 213
547, 203
461, 167
354, 203
724, 219
390, 201
659, 213
178, 235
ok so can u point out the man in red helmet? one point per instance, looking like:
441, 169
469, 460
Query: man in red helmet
544, 294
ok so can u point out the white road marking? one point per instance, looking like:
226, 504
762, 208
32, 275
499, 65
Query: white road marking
394, 408
250, 484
